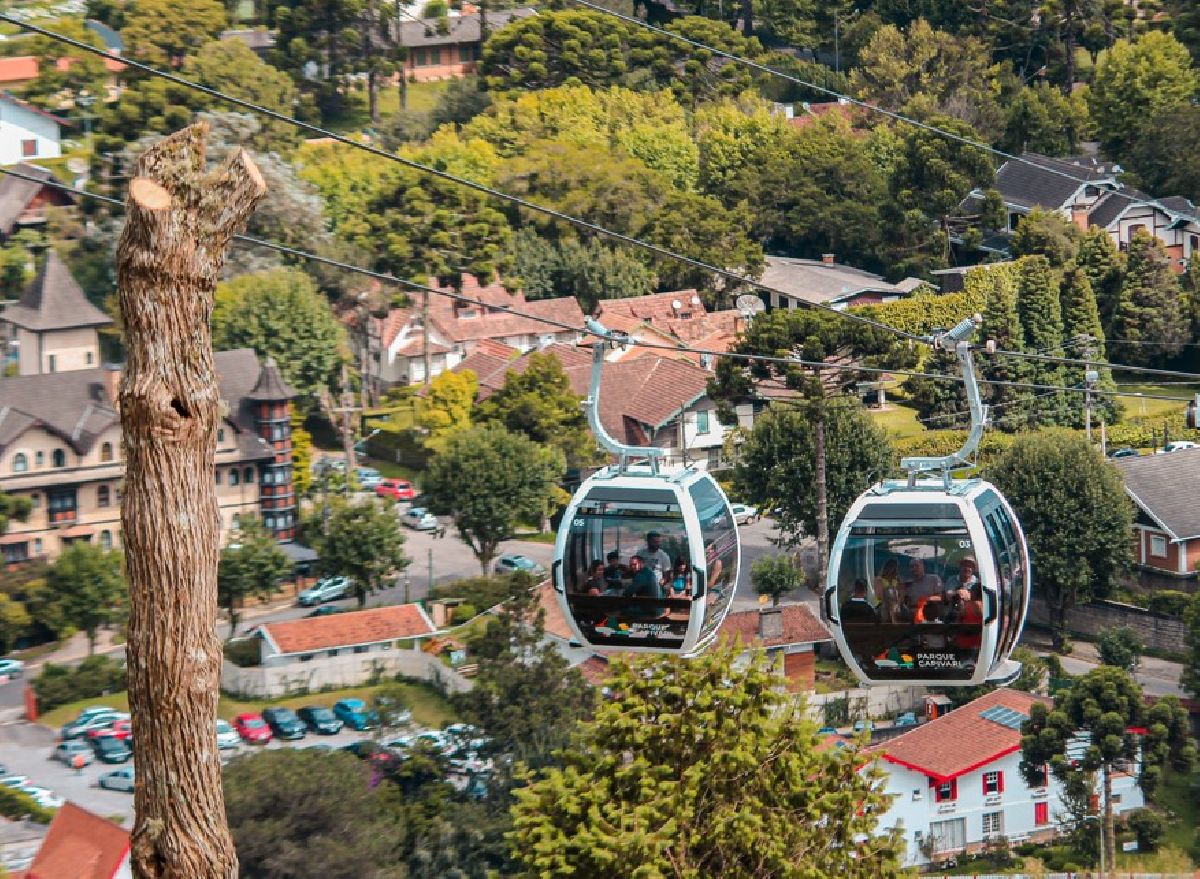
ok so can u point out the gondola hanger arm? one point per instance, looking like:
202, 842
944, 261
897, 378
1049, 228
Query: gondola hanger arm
606, 338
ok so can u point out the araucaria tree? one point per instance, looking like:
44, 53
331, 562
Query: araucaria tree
252, 566
1072, 505
490, 481
90, 587
696, 768
1151, 307
1105, 708
362, 541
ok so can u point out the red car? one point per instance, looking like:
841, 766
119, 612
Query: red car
252, 728
396, 489
121, 729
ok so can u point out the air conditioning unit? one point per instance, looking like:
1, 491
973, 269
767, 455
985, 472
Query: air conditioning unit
917, 796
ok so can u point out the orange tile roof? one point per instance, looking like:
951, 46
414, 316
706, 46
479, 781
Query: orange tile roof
80, 845
962, 740
392, 623
495, 349
795, 624
553, 620
20, 68
656, 307
595, 670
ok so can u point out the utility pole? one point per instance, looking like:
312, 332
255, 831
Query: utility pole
427, 357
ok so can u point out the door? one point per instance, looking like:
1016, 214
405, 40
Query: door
948, 836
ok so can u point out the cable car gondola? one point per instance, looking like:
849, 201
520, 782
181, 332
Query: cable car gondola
645, 559
929, 579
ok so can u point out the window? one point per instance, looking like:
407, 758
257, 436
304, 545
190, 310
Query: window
220, 434
90, 358
1041, 814
217, 476
468, 53
29, 148
306, 657
418, 57
946, 792
60, 458
102, 496
106, 452
20, 463
993, 783
993, 823
15, 552
106, 539
53, 361
37, 546
61, 505
248, 476
702, 425
234, 476
1041, 777
1158, 546
279, 432
361, 648
1194, 242
37, 500
949, 836
1116, 798
39, 458
332, 653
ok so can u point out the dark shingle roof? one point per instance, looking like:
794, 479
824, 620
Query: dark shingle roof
461, 29
1107, 209
270, 385
1041, 181
54, 301
1166, 487
16, 194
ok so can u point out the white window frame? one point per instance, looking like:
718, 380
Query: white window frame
991, 783
1158, 546
993, 824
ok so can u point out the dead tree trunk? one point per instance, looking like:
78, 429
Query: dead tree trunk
180, 220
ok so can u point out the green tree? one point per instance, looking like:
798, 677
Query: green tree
281, 314
232, 67
1162, 164
589, 271
13, 506
490, 481
1185, 21
1105, 268
337, 825
1081, 317
162, 32
252, 566
540, 404
362, 541
1139, 80
89, 586
1120, 647
1103, 707
1151, 306
14, 621
1048, 234
1013, 407
65, 71
1191, 668
1073, 509
927, 72
775, 576
1040, 311
447, 406
712, 743
302, 454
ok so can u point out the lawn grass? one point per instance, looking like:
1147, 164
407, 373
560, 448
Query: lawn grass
1135, 408
391, 470
1174, 796
428, 708
898, 420
422, 98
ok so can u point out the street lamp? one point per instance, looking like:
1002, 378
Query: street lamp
1100, 827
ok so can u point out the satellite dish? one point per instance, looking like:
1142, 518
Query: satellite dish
749, 304
77, 165
695, 299
676, 304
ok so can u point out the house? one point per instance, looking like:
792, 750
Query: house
27, 132
377, 630
678, 317
956, 783
81, 845
449, 47
1088, 192
259, 40
653, 400
804, 114
797, 282
789, 632
60, 434
457, 328
23, 202
1166, 530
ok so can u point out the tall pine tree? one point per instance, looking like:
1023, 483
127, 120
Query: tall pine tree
1105, 268
1012, 408
1081, 317
1042, 327
1151, 307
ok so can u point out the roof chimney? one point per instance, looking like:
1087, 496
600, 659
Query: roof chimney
110, 380
827, 258
770, 623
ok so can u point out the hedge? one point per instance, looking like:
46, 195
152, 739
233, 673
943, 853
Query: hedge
923, 313
62, 684
16, 804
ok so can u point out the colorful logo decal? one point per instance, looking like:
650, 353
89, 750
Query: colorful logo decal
893, 658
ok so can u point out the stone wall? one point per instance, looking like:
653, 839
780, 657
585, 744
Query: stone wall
1157, 632
336, 672
864, 704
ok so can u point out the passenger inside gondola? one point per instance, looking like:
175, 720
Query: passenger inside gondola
595, 584
857, 610
681, 581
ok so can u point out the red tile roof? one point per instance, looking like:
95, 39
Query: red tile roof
495, 349
391, 325
655, 308
553, 620
807, 114
80, 845
595, 670
962, 740
787, 624
20, 68
392, 623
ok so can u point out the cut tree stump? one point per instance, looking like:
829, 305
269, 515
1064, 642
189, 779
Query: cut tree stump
180, 218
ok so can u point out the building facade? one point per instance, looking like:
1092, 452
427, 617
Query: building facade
27, 132
1166, 530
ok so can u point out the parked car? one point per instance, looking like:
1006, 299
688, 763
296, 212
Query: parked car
1177, 446
908, 718
321, 720
119, 779
509, 564
121, 729
94, 718
14, 780
860, 725
284, 724
67, 751
44, 797
227, 736
110, 749
11, 668
1124, 453
355, 714
369, 750
368, 477
395, 489
325, 589
743, 514
420, 519
827, 731
252, 728
326, 610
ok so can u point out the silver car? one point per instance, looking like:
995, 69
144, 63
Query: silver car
67, 751
119, 779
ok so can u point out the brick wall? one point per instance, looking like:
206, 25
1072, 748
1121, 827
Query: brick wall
1156, 631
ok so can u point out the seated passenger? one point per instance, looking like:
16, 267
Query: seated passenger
643, 585
966, 577
681, 581
856, 609
972, 615
594, 584
920, 583
952, 605
890, 592
613, 572
932, 612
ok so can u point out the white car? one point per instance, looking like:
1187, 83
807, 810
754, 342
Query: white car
47, 799
227, 736
743, 514
11, 668
1177, 446
118, 779
420, 519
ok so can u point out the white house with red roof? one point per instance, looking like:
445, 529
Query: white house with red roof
375, 630
957, 780
27, 132
81, 845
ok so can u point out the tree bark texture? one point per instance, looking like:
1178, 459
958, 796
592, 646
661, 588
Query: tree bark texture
1110, 830
180, 218
822, 502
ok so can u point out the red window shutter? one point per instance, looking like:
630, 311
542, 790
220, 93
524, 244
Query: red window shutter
983, 778
999, 782
954, 789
